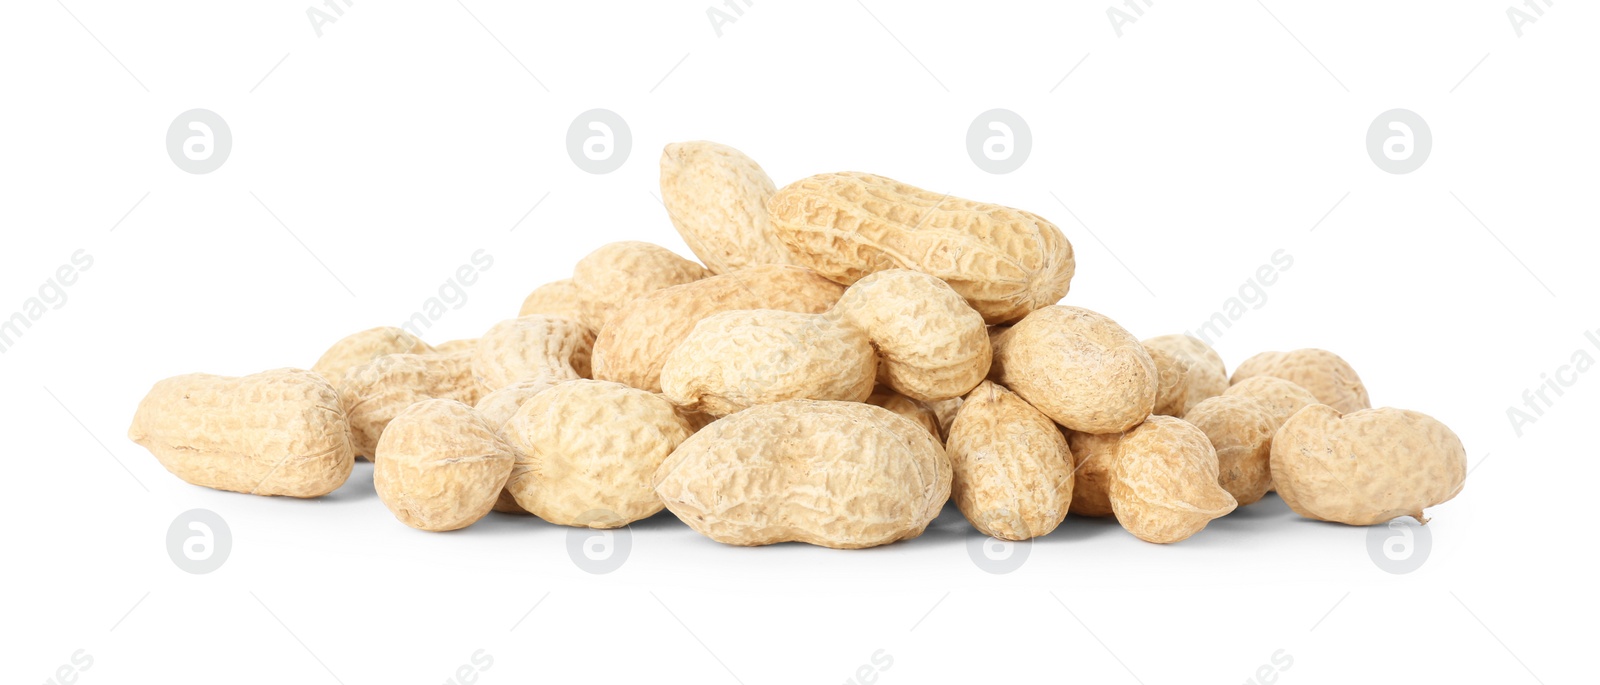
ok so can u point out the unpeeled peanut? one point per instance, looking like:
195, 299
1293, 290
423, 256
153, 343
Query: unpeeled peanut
1326, 375
587, 452
834, 474
1204, 373
734, 360
933, 345
1240, 428
1006, 262
619, 273
1367, 466
1078, 367
374, 393
1012, 470
634, 347
273, 433
556, 298
717, 199
359, 348
532, 347
440, 466
1164, 482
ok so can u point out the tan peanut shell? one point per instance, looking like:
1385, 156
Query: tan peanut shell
1078, 367
1326, 375
1240, 427
913, 410
1164, 484
1094, 456
734, 360
634, 347
587, 452
1206, 375
556, 298
1172, 373
440, 466
374, 393
932, 344
945, 411
717, 198
835, 474
359, 348
499, 406
467, 345
273, 433
1012, 470
619, 273
1283, 398
1367, 466
532, 347
1006, 262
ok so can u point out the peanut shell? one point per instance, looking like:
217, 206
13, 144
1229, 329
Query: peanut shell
359, 348
1367, 466
1078, 367
1164, 484
440, 466
1326, 375
374, 393
619, 273
530, 348
933, 345
717, 198
1012, 470
734, 360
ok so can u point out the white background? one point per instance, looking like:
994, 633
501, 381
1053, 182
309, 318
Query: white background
410, 135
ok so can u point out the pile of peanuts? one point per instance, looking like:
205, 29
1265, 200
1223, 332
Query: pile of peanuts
849, 354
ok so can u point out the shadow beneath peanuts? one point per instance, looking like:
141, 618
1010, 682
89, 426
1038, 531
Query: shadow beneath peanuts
1078, 528
358, 487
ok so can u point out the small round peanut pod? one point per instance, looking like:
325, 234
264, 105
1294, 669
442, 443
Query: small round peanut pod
1012, 470
933, 344
440, 466
498, 407
1367, 466
1094, 456
359, 348
1164, 486
1172, 392
717, 198
556, 298
1240, 428
634, 347
835, 474
1206, 375
532, 347
1283, 398
619, 273
916, 411
1326, 375
738, 359
374, 393
587, 451
1078, 367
